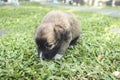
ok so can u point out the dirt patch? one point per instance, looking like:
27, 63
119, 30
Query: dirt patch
115, 30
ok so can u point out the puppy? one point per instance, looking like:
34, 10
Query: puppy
57, 31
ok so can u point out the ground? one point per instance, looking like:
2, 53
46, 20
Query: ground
95, 57
110, 11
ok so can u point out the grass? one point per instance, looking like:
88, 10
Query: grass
18, 54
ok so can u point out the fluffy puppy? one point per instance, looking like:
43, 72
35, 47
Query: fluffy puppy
57, 31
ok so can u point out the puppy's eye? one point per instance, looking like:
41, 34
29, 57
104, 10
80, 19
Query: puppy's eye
48, 45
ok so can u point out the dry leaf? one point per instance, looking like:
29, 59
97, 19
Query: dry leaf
100, 57
84, 78
117, 74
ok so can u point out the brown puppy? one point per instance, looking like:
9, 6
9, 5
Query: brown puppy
57, 31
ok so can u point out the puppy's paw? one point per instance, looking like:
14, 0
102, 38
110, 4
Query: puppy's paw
58, 56
71, 46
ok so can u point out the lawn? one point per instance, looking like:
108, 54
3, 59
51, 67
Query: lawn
95, 57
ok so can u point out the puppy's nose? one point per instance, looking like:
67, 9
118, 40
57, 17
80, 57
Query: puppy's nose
44, 58
40, 55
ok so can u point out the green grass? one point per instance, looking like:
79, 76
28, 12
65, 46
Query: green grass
18, 54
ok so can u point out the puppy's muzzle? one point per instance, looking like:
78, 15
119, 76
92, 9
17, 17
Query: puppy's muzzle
46, 56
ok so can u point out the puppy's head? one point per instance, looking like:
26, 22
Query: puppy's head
49, 39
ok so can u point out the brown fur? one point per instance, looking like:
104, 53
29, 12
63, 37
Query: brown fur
57, 27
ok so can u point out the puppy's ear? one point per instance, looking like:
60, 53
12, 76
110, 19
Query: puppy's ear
59, 32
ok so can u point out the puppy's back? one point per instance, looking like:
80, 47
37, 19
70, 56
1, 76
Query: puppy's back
65, 19
55, 17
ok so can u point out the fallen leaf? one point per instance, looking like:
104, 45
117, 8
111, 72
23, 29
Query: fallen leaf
100, 57
83, 78
117, 74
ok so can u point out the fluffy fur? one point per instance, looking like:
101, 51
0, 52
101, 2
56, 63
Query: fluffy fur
57, 31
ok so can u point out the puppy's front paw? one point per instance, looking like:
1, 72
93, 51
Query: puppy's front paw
58, 56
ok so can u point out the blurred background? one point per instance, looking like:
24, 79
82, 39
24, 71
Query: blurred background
112, 3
